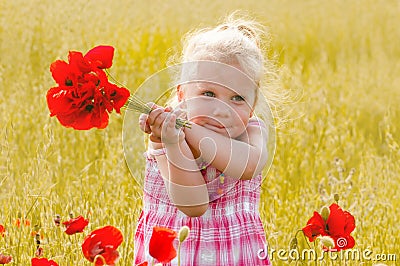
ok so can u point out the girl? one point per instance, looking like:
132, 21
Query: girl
208, 177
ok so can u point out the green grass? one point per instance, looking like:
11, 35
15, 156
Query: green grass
343, 56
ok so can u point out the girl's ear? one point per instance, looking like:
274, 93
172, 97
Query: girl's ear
179, 92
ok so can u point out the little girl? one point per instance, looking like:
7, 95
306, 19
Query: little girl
208, 176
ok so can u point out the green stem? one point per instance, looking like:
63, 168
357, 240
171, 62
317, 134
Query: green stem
316, 253
305, 238
299, 230
179, 254
115, 80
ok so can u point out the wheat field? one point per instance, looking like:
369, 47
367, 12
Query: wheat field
340, 135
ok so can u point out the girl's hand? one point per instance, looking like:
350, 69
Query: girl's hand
145, 125
170, 134
152, 123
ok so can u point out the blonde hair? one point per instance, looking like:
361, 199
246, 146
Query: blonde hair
235, 40
238, 39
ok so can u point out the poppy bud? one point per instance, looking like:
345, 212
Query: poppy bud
39, 252
327, 241
37, 238
325, 213
183, 233
293, 243
57, 220
336, 197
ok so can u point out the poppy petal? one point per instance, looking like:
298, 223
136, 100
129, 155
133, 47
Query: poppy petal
59, 101
63, 73
101, 56
5, 259
315, 227
161, 244
336, 220
43, 262
117, 96
77, 63
350, 223
75, 225
103, 241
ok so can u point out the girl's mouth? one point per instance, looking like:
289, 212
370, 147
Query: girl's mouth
215, 127
211, 124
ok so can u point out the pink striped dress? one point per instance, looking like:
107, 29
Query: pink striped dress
230, 232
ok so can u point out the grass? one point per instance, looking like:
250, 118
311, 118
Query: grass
342, 56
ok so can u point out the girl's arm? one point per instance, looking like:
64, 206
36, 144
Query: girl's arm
241, 158
184, 182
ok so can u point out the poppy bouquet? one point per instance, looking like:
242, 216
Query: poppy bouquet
84, 96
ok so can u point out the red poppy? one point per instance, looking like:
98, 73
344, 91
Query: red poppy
43, 262
4, 259
161, 244
338, 225
84, 96
75, 225
18, 222
102, 242
2, 230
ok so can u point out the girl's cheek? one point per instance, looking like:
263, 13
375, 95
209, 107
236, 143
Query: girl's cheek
196, 109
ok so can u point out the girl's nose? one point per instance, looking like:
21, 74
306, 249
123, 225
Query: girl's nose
221, 110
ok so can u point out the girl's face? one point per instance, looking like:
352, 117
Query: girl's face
217, 107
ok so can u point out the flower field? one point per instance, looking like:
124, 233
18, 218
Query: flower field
338, 134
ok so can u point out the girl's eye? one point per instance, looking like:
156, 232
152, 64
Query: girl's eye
209, 94
237, 98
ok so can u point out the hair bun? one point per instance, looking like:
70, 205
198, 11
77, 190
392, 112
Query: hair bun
249, 33
246, 30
